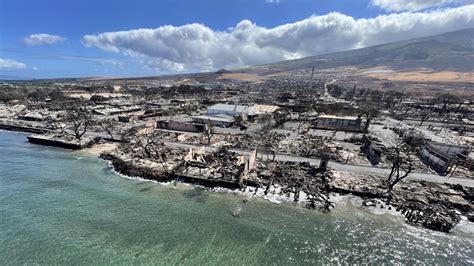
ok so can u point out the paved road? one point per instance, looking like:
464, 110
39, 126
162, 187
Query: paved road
359, 169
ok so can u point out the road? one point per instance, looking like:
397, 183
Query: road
326, 92
358, 169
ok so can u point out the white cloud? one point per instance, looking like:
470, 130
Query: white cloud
413, 5
197, 47
8, 64
42, 38
272, 1
35, 68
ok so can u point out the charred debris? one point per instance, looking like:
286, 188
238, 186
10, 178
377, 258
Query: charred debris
297, 134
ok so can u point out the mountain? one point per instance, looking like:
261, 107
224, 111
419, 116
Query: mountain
452, 51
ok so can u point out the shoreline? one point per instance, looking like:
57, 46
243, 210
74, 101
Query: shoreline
338, 199
100, 148
444, 218
275, 195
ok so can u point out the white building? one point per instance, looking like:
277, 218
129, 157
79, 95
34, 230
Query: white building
227, 109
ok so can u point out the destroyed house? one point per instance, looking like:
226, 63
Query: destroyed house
116, 111
259, 109
344, 123
181, 126
442, 157
32, 116
372, 151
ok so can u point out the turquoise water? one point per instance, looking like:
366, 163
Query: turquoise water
63, 207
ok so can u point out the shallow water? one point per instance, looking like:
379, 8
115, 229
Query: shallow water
62, 207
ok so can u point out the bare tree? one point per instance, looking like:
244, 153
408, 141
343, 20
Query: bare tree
424, 116
445, 99
402, 166
303, 121
148, 143
208, 132
370, 111
161, 155
79, 119
153, 147
109, 127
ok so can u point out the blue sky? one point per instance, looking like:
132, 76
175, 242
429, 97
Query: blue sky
53, 38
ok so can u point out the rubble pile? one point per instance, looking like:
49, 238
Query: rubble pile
433, 206
298, 179
306, 146
363, 185
132, 162
268, 140
430, 205
221, 165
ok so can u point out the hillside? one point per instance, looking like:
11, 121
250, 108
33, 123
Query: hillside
452, 51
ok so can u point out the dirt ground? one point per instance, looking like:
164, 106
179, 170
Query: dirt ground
241, 77
443, 76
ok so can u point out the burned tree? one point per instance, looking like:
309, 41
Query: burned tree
370, 111
208, 132
445, 99
79, 120
147, 143
109, 127
160, 154
402, 166
424, 116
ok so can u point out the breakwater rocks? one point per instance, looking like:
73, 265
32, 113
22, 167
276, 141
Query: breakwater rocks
163, 172
134, 169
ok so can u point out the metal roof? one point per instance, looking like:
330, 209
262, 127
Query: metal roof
228, 107
220, 118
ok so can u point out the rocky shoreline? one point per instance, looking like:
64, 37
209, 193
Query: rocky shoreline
435, 206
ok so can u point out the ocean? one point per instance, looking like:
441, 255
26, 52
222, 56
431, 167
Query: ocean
69, 207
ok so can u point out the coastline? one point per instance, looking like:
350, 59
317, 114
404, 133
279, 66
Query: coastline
274, 194
448, 214
83, 200
100, 148
339, 200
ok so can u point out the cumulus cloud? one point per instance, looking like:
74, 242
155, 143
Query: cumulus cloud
198, 47
8, 64
42, 38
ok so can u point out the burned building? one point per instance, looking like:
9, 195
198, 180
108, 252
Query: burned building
442, 157
372, 151
181, 126
343, 123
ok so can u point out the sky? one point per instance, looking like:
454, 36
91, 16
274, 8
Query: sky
125, 38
